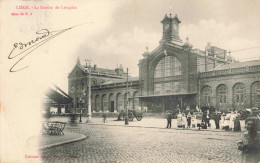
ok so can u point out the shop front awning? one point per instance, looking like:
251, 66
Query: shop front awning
166, 95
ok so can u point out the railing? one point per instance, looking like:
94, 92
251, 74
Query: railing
230, 71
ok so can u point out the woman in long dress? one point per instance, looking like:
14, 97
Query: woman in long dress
179, 120
232, 121
193, 120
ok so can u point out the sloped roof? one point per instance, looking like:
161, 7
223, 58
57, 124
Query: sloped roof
97, 70
238, 64
103, 71
121, 80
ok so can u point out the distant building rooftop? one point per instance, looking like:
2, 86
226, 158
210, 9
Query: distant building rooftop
238, 64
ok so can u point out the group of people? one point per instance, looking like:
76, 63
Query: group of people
183, 120
229, 121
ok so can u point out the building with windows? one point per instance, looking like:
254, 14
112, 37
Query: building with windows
174, 76
108, 89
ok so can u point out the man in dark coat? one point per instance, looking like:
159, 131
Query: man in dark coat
169, 120
217, 118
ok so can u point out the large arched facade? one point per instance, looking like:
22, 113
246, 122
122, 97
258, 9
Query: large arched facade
167, 67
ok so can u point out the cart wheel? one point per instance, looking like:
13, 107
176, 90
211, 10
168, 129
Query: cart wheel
130, 116
139, 118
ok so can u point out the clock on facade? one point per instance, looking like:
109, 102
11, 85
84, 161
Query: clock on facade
166, 27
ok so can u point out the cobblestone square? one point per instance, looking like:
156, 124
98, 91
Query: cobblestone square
106, 143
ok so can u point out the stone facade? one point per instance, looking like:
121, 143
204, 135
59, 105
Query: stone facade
232, 88
174, 76
108, 89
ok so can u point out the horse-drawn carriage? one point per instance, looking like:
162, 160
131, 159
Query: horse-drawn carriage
131, 114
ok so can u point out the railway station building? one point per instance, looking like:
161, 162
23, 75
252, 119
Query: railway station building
174, 76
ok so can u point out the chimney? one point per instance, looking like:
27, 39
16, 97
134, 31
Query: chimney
95, 67
207, 49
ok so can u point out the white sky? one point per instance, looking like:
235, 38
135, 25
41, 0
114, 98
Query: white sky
133, 25
118, 35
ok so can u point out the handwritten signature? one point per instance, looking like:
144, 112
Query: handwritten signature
27, 48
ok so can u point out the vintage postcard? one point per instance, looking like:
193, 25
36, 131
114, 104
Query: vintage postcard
129, 81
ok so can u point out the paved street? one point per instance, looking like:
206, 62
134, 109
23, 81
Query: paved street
106, 143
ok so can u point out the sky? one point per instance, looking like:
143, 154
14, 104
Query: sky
121, 30
114, 32
230, 25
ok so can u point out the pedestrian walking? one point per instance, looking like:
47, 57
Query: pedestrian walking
232, 121
207, 118
222, 120
189, 120
104, 117
169, 120
237, 126
217, 119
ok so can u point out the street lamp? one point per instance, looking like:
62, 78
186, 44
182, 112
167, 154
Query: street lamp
80, 110
126, 119
89, 91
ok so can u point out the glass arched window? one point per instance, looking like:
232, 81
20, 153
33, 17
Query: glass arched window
168, 66
239, 93
104, 103
222, 91
255, 94
206, 94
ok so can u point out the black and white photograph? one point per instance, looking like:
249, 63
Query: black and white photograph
129, 81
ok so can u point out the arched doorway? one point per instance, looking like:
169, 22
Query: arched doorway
111, 102
97, 103
119, 102
104, 103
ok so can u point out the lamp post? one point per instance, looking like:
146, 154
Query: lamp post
89, 91
126, 119
80, 110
